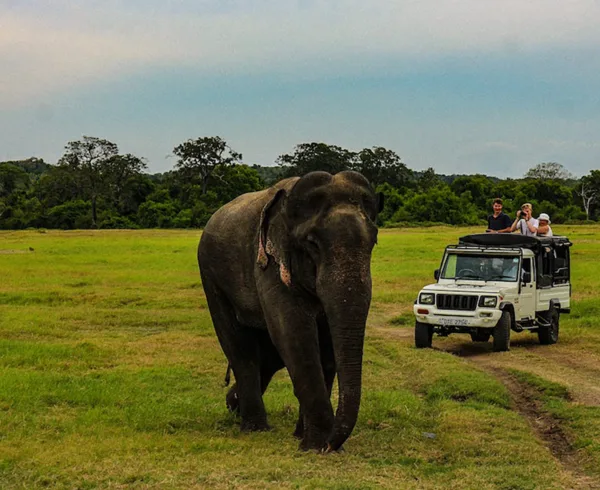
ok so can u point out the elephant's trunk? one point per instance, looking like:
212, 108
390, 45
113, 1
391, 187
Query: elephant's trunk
346, 296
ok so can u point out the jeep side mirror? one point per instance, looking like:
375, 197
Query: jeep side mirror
526, 277
436, 274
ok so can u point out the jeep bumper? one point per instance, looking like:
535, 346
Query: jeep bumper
480, 318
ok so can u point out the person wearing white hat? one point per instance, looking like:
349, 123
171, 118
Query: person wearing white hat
544, 225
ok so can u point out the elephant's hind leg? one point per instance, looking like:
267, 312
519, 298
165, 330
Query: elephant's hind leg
242, 348
270, 363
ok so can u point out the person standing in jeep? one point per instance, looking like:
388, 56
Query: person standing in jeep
498, 221
524, 222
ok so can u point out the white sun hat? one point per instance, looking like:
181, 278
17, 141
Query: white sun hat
545, 217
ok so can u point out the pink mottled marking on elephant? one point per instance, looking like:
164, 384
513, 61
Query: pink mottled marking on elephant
262, 258
263, 261
285, 275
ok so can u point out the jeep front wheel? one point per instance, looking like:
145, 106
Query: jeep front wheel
502, 333
548, 334
423, 335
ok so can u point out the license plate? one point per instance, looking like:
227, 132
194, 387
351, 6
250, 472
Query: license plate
455, 322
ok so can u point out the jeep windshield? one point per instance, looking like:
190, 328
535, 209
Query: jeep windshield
481, 267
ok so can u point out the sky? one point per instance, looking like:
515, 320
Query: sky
463, 86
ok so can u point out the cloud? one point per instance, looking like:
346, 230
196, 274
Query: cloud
44, 51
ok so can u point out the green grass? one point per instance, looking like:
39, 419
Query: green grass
111, 377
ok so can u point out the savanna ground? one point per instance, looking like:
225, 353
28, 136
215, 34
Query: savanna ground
111, 377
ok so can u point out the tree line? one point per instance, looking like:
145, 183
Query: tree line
94, 185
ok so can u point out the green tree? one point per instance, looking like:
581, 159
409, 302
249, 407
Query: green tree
428, 180
230, 182
12, 178
33, 166
197, 159
392, 201
548, 171
123, 179
589, 191
269, 175
380, 165
89, 159
56, 186
99, 171
480, 186
310, 157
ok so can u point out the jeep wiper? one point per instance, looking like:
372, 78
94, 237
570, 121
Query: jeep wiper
470, 276
491, 278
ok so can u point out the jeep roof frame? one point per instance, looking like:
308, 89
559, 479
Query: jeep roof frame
512, 241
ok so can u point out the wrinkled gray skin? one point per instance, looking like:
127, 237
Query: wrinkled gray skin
286, 272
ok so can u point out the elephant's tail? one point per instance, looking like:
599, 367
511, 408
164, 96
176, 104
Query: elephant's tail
228, 374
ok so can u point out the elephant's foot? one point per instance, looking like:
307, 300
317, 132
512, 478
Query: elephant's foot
232, 400
314, 440
254, 426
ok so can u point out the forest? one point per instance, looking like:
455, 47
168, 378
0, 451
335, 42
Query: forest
94, 185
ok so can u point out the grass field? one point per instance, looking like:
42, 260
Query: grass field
111, 377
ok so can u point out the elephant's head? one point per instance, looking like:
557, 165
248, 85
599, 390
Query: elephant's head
321, 231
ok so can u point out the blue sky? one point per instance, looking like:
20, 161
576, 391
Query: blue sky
461, 86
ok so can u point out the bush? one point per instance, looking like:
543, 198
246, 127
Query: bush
438, 204
113, 221
156, 214
183, 219
70, 215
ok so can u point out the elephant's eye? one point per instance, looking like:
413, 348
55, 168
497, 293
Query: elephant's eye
312, 241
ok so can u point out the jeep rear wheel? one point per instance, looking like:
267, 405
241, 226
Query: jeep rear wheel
502, 333
481, 336
423, 335
548, 334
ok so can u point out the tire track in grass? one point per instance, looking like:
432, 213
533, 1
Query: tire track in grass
526, 399
556, 363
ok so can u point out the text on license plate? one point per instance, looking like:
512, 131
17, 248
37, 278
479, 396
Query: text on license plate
460, 322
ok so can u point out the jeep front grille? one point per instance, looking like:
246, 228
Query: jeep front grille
456, 302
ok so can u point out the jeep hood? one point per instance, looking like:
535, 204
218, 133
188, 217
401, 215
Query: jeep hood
469, 288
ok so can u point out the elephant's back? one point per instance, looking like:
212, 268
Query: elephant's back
231, 231
241, 216
236, 219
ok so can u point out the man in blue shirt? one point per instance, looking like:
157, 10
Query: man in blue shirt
498, 222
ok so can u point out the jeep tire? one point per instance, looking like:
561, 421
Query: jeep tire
481, 335
502, 333
549, 334
423, 335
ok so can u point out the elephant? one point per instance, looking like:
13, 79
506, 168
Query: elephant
287, 277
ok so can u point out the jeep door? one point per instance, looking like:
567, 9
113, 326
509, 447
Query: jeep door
527, 298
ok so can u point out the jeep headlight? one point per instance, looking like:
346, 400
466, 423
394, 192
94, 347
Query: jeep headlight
427, 298
488, 301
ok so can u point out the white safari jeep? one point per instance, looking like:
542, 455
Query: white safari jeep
492, 283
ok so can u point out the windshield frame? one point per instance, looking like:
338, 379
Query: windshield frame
479, 254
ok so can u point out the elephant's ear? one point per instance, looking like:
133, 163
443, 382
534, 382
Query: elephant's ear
266, 246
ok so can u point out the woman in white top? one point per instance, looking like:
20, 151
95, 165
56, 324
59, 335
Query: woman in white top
527, 225
544, 225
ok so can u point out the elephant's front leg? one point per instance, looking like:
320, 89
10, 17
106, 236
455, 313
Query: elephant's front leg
294, 331
327, 363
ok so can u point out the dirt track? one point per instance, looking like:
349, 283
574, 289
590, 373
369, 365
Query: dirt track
561, 363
